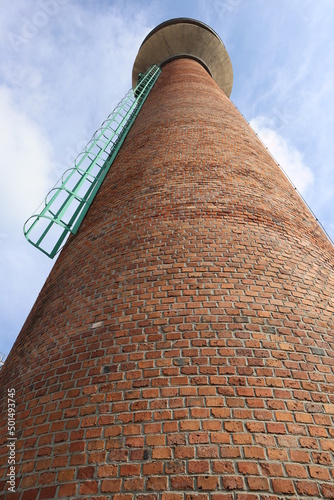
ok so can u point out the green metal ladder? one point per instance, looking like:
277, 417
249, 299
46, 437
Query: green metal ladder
66, 205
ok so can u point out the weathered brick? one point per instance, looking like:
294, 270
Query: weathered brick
258, 483
272, 469
110, 485
295, 470
157, 483
66, 490
283, 486
318, 472
307, 488
233, 482
207, 483
182, 483
88, 487
133, 484
248, 468
327, 490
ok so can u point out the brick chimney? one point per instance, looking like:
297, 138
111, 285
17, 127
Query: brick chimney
182, 346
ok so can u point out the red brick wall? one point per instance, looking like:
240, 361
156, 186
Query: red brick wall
182, 347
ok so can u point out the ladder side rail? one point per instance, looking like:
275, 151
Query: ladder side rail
111, 135
112, 157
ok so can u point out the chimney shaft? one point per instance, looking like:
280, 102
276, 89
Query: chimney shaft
182, 346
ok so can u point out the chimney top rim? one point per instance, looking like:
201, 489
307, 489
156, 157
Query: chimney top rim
180, 20
189, 38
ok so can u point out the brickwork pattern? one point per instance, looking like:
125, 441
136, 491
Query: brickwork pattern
182, 347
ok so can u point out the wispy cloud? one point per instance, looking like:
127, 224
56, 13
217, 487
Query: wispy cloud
26, 158
287, 156
25, 178
284, 74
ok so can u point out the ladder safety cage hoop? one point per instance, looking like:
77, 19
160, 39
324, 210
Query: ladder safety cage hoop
67, 203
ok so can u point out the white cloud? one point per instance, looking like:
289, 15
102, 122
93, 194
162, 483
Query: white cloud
26, 160
288, 157
25, 180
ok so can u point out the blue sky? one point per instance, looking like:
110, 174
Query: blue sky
65, 64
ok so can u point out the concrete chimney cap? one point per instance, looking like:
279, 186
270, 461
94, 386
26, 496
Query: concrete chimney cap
183, 37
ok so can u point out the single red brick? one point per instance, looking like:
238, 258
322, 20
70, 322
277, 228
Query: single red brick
189, 425
207, 483
233, 482
43, 464
233, 426
220, 437
318, 472
254, 452
327, 444
29, 481
198, 437
275, 428
111, 485
182, 483
133, 484
327, 490
230, 452
88, 487
295, 470
88, 421
176, 439
243, 438
258, 483
130, 470
155, 440
306, 442
255, 426
135, 442
283, 416
77, 446
152, 468
47, 478
96, 457
103, 471
307, 488
207, 452
27, 467
283, 486
248, 468
223, 467
48, 492
272, 469
157, 483
300, 456
210, 401
216, 412
162, 453
67, 490
322, 458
